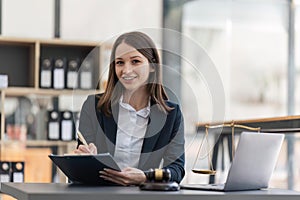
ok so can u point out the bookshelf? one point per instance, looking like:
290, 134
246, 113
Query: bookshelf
20, 59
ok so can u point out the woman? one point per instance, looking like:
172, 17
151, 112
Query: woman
133, 119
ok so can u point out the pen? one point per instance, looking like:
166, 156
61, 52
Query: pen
81, 138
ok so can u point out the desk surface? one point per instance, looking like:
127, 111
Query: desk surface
286, 124
60, 191
257, 120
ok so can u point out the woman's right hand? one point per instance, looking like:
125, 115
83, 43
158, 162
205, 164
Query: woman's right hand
84, 149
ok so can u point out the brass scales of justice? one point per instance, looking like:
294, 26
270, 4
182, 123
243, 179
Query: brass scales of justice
211, 170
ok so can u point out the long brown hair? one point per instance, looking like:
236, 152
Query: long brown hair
144, 44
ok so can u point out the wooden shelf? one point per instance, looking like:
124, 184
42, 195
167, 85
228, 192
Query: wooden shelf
69, 43
12, 40
33, 143
25, 91
38, 143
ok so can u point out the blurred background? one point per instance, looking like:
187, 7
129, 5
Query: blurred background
254, 46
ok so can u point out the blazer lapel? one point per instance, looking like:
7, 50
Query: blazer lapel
156, 123
110, 129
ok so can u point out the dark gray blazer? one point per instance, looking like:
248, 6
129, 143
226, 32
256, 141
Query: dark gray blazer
164, 138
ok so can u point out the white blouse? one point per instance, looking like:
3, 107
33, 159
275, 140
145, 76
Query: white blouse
132, 127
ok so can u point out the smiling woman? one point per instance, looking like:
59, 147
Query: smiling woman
132, 68
133, 119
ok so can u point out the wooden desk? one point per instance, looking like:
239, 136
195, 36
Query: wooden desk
61, 191
286, 124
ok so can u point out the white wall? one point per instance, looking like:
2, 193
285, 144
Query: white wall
100, 19
28, 18
94, 20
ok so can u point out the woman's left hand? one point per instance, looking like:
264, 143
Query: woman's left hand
126, 177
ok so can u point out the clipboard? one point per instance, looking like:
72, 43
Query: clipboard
84, 169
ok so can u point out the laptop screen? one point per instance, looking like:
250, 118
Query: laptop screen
254, 161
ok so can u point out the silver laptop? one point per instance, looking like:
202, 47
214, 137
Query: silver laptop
253, 163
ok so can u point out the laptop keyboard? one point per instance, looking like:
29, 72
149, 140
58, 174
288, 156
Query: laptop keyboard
203, 186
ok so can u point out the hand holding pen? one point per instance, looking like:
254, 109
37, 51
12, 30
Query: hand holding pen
85, 148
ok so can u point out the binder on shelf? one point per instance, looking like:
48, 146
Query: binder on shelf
5, 171
86, 74
46, 73
72, 74
53, 125
67, 126
17, 172
76, 116
3, 80
59, 73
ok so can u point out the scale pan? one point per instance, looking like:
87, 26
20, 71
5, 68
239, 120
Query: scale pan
204, 171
